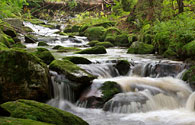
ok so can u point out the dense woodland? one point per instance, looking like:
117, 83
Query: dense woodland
164, 28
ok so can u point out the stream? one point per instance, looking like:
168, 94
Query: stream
159, 96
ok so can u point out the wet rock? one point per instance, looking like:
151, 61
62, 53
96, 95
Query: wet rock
23, 75
189, 76
141, 48
123, 67
42, 43
72, 71
77, 60
105, 44
30, 39
93, 50
67, 49
28, 109
95, 33
18, 45
27, 29
44, 55
57, 47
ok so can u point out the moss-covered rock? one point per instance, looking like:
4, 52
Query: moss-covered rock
112, 31
132, 38
28, 109
27, 29
22, 75
141, 48
35, 21
18, 45
109, 89
123, 67
57, 47
8, 41
18, 121
44, 55
30, 39
95, 33
7, 29
93, 50
189, 76
67, 49
122, 40
110, 39
105, 44
71, 71
83, 28
42, 43
77, 60
169, 53
93, 42
189, 50
3, 46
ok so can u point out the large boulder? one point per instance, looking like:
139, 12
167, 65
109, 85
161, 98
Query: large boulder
122, 40
22, 75
104, 44
28, 109
77, 60
95, 33
93, 50
123, 67
141, 48
44, 55
42, 43
71, 71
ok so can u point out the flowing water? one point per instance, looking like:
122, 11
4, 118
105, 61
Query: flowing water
152, 92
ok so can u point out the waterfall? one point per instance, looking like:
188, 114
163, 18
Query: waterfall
62, 91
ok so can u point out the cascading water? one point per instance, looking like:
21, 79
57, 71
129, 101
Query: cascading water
152, 93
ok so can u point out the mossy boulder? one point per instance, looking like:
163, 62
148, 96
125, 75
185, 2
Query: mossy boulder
105, 44
122, 40
44, 55
8, 41
30, 39
189, 50
67, 49
110, 39
83, 28
42, 43
93, 42
23, 75
109, 89
112, 31
169, 53
95, 33
189, 76
27, 29
93, 50
7, 29
141, 48
18, 121
35, 21
71, 71
123, 67
77, 60
28, 109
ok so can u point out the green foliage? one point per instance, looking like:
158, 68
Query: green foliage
127, 5
11, 8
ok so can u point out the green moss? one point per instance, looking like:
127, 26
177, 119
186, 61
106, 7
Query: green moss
6, 40
3, 46
71, 71
122, 40
68, 49
140, 48
35, 21
75, 28
110, 39
44, 55
30, 39
132, 38
7, 29
169, 53
109, 89
95, 33
42, 43
77, 60
123, 67
112, 31
93, 50
83, 28
92, 43
18, 121
27, 29
28, 109
105, 44
189, 50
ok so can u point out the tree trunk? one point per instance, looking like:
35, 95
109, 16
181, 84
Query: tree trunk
180, 5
